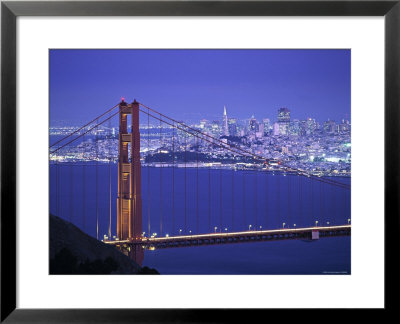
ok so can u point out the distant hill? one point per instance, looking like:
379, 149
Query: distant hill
74, 252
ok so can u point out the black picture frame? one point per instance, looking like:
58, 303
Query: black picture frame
10, 10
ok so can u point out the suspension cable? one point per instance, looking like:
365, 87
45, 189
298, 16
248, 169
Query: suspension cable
203, 134
161, 166
278, 200
87, 124
148, 178
255, 156
173, 181
97, 184
220, 199
83, 134
312, 202
244, 199
195, 135
237, 150
233, 200
109, 179
84, 186
321, 203
266, 199
197, 185
255, 200
289, 216
57, 189
184, 176
209, 198
71, 191
299, 197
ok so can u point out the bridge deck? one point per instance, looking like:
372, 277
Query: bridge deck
236, 237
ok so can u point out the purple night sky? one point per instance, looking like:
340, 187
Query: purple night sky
194, 84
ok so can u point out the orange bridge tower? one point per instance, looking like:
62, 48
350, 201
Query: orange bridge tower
129, 201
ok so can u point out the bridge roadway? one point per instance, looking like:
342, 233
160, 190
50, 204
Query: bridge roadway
307, 233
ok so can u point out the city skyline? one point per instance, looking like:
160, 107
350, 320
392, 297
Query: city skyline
210, 118
226, 121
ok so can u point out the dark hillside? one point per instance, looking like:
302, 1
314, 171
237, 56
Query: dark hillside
74, 252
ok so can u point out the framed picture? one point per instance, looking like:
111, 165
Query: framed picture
219, 146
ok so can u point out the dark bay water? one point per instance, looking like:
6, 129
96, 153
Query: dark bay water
214, 198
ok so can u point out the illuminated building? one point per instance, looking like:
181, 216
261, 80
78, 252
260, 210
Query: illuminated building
329, 127
253, 124
215, 128
283, 121
225, 123
283, 115
267, 126
232, 126
275, 130
203, 123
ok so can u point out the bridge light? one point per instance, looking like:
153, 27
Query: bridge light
180, 231
283, 225
260, 227
249, 227
348, 221
215, 229
294, 225
327, 223
316, 223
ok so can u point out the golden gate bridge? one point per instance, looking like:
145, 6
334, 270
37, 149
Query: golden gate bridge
130, 237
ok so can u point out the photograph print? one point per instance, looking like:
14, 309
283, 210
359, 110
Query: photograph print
201, 161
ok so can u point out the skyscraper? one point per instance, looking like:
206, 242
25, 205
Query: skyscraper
267, 126
215, 128
329, 127
232, 126
310, 126
295, 127
275, 129
203, 123
283, 115
283, 120
253, 124
225, 128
